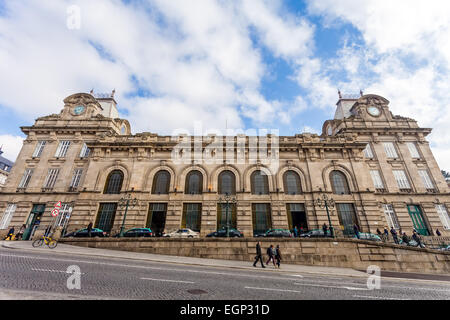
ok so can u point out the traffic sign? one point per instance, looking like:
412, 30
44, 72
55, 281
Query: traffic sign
58, 205
55, 212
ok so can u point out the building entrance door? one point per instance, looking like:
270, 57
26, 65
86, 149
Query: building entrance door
418, 221
156, 219
33, 221
106, 216
347, 218
297, 217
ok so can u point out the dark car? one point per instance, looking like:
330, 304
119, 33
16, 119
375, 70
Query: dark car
223, 233
137, 232
278, 233
316, 233
83, 233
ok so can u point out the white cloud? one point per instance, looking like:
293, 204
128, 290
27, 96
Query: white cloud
11, 146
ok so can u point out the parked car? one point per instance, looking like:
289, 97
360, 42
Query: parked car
83, 233
137, 232
411, 243
183, 233
315, 233
368, 236
278, 233
223, 233
447, 248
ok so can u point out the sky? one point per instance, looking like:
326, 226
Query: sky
240, 64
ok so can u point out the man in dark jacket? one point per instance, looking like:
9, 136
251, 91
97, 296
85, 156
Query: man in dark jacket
258, 255
356, 230
324, 229
89, 229
394, 235
270, 253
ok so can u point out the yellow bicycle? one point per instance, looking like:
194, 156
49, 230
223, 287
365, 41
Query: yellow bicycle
51, 243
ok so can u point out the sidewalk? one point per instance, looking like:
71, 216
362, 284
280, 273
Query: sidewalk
104, 253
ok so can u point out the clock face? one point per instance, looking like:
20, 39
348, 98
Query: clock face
79, 110
374, 111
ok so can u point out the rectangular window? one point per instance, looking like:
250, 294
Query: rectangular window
391, 217
428, 184
6, 219
51, 178
401, 178
443, 214
64, 215
377, 182
76, 178
85, 151
413, 150
192, 216
390, 150
347, 217
62, 149
39, 148
26, 178
262, 220
368, 152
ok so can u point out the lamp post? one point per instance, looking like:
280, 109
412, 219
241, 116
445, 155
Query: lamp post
227, 200
126, 202
326, 203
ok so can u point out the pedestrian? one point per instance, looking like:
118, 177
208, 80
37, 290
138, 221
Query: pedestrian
438, 233
10, 234
356, 230
416, 238
405, 238
324, 229
386, 234
278, 256
258, 256
394, 235
270, 253
89, 229
21, 231
295, 232
379, 233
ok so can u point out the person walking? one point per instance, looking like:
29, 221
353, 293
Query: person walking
21, 231
295, 232
386, 234
416, 238
356, 230
278, 256
438, 233
270, 253
394, 235
258, 256
379, 233
10, 234
89, 229
324, 229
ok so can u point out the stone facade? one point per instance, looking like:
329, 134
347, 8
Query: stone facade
336, 163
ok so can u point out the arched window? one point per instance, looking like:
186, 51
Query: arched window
227, 183
292, 183
339, 183
260, 182
194, 183
114, 182
161, 182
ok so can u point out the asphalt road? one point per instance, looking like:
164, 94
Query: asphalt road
29, 275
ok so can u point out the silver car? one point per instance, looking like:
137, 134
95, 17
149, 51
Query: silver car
183, 233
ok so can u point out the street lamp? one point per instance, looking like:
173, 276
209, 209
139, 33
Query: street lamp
227, 200
326, 203
126, 202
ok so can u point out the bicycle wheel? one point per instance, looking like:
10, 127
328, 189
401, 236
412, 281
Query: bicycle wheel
52, 244
38, 243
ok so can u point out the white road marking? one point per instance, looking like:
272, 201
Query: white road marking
334, 287
381, 298
271, 289
167, 280
50, 270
